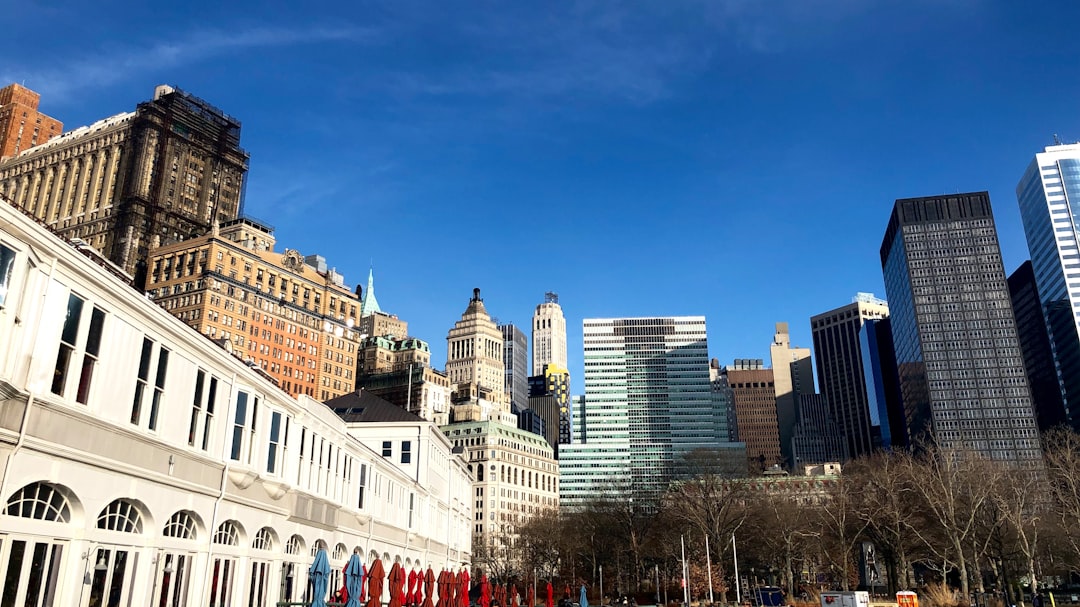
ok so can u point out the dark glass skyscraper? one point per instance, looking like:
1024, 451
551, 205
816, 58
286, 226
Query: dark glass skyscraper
1035, 346
958, 358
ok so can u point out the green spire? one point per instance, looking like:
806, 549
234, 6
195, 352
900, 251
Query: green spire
369, 305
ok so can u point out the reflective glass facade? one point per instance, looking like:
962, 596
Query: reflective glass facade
648, 402
958, 358
1049, 198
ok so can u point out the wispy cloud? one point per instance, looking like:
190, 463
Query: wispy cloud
109, 67
603, 48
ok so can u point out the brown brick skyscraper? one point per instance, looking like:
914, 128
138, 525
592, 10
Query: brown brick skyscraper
22, 126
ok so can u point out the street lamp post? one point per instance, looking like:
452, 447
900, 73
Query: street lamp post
738, 586
602, 584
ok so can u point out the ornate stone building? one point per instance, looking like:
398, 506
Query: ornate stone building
474, 364
159, 175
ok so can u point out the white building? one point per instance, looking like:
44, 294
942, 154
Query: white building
548, 335
140, 463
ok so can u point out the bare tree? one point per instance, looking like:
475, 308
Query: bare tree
953, 487
1063, 476
710, 502
888, 506
842, 527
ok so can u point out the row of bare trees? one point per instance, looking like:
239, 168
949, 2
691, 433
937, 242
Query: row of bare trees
937, 515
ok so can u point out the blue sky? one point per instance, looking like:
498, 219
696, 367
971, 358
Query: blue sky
730, 158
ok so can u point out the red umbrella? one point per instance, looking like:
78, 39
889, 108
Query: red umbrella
550, 595
530, 597
410, 594
363, 584
344, 592
444, 589
513, 596
396, 581
375, 584
451, 589
429, 587
485, 591
463, 588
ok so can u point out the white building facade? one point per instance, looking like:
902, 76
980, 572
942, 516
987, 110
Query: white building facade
548, 335
143, 464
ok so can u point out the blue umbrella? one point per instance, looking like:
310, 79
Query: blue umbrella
318, 576
584, 599
354, 580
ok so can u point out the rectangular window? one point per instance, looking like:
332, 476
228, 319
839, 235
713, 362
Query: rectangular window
300, 466
251, 429
387, 449
67, 343
196, 407
142, 379
159, 386
406, 451
272, 454
208, 427
90, 356
7, 268
363, 484
238, 426
412, 508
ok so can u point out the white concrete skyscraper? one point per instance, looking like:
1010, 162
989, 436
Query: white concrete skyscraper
548, 335
474, 364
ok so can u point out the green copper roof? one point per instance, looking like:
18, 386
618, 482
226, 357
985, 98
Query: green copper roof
369, 305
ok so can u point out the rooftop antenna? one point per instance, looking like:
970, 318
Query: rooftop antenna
1057, 140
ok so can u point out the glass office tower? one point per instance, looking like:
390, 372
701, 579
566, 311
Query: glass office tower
648, 403
958, 357
1049, 197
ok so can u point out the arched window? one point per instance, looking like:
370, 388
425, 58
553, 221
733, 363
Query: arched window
227, 534
120, 515
295, 545
340, 551
264, 539
181, 525
480, 473
39, 501
318, 545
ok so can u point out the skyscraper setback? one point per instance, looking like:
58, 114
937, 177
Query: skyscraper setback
961, 376
1049, 197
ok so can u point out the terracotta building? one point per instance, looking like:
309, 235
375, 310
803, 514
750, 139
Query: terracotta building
284, 313
22, 126
754, 396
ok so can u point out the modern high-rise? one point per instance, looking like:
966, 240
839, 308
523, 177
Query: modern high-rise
793, 376
1049, 197
516, 361
22, 126
548, 335
958, 357
137, 180
549, 397
474, 364
887, 427
725, 399
754, 398
648, 404
841, 369
1036, 348
284, 313
817, 438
